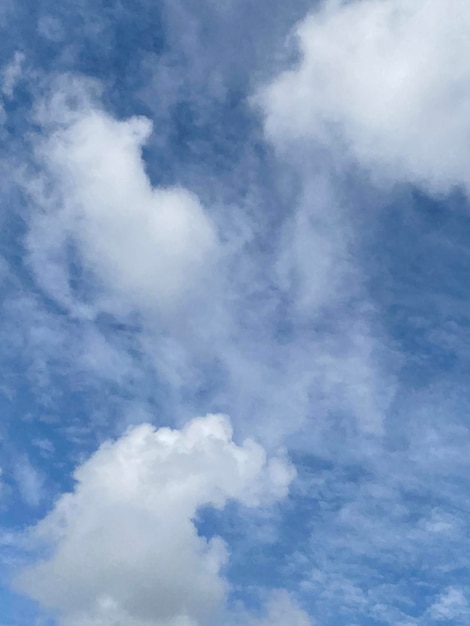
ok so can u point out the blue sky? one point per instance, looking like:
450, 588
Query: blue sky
234, 326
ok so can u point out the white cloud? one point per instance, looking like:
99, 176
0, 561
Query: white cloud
153, 251
11, 74
29, 481
451, 605
320, 269
123, 548
149, 247
280, 610
385, 81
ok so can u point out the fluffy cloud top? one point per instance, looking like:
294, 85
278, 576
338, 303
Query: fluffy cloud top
386, 80
123, 546
150, 246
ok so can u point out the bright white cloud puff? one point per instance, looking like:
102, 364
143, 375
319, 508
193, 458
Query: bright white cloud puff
149, 246
387, 81
123, 546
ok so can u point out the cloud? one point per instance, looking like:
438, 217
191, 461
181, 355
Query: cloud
385, 82
149, 247
11, 74
123, 547
320, 267
130, 229
29, 481
281, 610
451, 605
104, 239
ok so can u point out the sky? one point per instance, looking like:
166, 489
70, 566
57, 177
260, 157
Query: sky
235, 349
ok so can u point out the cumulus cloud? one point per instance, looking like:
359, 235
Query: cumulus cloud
149, 246
123, 547
386, 82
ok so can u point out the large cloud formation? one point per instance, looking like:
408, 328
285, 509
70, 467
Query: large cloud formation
387, 82
123, 547
104, 236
